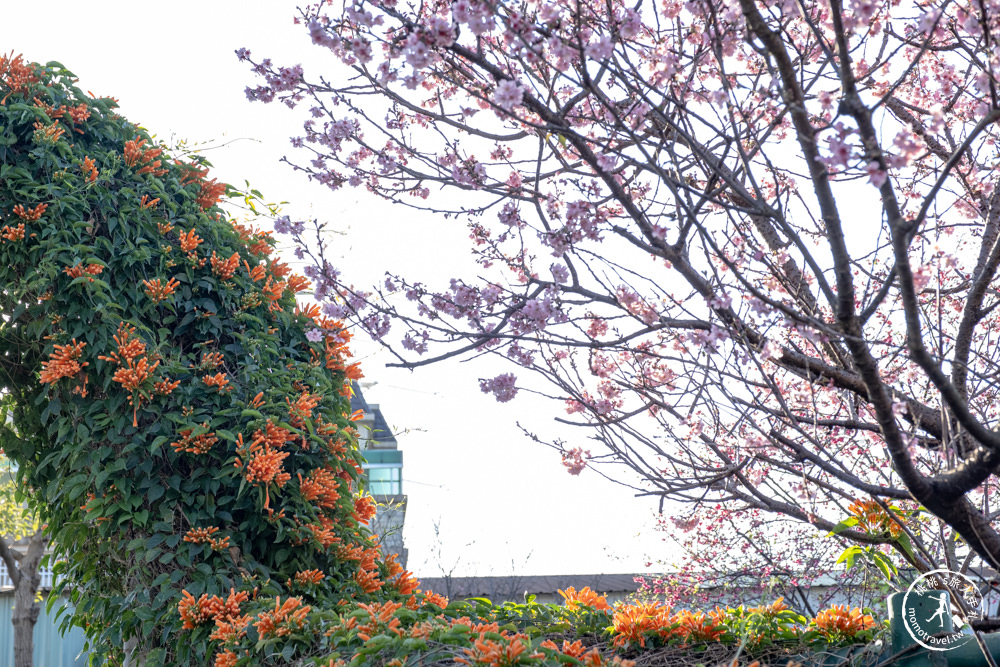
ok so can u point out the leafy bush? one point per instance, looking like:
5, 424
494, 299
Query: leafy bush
183, 422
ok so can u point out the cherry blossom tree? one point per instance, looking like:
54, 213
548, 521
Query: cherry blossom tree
750, 248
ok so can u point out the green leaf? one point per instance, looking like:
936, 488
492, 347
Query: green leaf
843, 525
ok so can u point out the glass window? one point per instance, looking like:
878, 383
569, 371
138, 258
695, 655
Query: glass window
384, 468
385, 480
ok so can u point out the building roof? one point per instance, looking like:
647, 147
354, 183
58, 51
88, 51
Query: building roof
489, 587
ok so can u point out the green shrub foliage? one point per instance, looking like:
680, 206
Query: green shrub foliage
182, 423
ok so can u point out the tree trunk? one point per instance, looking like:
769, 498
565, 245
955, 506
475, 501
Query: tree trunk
26, 580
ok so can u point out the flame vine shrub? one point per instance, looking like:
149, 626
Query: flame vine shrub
184, 423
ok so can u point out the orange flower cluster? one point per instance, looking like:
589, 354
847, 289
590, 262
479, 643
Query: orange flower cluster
229, 622
190, 241
307, 577
368, 580
283, 620
16, 75
321, 485
31, 214
635, 623
225, 268
12, 234
76, 115
164, 387
381, 620
591, 658
364, 509
256, 273
497, 652
260, 246
136, 155
302, 408
280, 270
218, 380
210, 359
48, 133
204, 536
210, 193
78, 270
226, 659
164, 228
632, 623
261, 461
274, 291
430, 597
400, 578
322, 530
198, 444
337, 355
89, 169
63, 362
134, 367
158, 291
146, 202
873, 519
190, 173
585, 597
298, 284
838, 622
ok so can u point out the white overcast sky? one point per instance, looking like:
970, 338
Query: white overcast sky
502, 502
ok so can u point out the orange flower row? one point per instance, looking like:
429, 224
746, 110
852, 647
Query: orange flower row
158, 291
31, 214
63, 362
298, 284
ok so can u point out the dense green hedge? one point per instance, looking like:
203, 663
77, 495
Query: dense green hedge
181, 424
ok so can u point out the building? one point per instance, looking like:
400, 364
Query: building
545, 588
384, 472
